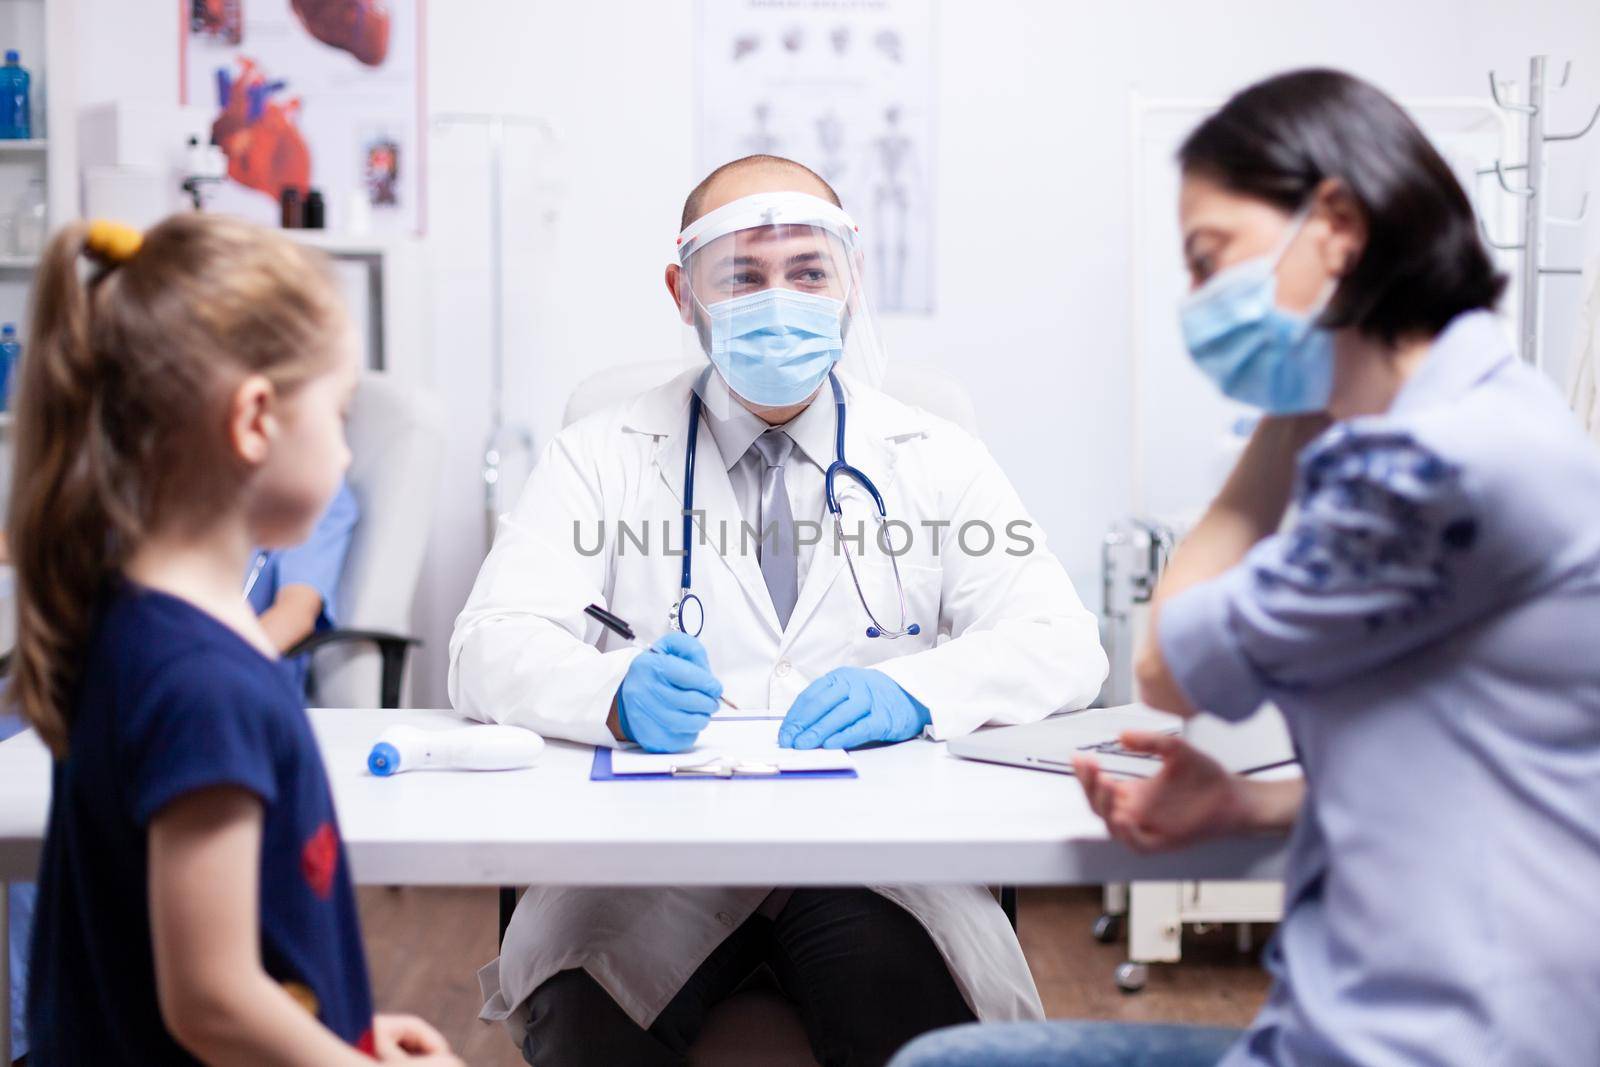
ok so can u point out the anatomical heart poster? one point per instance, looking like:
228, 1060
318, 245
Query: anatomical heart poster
311, 94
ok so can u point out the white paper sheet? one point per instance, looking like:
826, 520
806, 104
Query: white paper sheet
748, 745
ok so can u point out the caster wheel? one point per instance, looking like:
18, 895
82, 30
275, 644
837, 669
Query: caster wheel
1107, 928
1131, 977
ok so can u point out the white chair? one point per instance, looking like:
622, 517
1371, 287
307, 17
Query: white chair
396, 438
758, 1024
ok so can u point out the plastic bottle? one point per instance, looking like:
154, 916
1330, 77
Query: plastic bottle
292, 215
16, 109
467, 748
10, 356
314, 212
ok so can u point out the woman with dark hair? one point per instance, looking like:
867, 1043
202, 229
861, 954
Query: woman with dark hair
1425, 619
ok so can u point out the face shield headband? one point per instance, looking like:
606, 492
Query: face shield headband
768, 209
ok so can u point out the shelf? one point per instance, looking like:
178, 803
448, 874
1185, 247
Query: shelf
37, 144
16, 263
343, 244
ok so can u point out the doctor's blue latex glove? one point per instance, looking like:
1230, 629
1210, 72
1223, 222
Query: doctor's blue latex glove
849, 707
668, 695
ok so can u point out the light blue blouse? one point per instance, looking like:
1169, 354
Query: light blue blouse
1430, 625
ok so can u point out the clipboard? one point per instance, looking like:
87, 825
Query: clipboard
600, 771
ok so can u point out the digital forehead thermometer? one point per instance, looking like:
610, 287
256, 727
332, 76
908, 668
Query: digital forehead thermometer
465, 748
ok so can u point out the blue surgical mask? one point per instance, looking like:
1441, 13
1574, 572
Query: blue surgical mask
1256, 352
776, 346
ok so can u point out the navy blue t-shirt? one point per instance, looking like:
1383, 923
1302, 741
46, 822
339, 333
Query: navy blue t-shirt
172, 701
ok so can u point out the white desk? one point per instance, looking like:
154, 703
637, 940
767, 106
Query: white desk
914, 816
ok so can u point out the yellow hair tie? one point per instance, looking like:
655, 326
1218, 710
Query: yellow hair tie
114, 242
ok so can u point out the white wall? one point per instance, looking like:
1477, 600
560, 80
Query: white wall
1033, 208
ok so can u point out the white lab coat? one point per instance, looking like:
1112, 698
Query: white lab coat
1004, 639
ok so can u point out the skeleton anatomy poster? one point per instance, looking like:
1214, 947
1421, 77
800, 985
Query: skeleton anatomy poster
845, 87
311, 94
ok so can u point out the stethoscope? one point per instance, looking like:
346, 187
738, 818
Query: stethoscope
688, 601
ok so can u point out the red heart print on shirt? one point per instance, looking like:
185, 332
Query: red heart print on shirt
319, 859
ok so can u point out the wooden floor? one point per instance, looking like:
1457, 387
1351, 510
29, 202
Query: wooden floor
424, 945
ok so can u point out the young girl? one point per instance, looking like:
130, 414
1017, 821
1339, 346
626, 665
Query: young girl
182, 402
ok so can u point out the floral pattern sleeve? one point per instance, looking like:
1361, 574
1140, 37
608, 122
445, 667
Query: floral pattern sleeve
1385, 554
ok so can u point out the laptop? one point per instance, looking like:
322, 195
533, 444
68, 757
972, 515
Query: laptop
1255, 744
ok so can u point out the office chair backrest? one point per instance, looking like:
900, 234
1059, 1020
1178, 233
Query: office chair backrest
396, 438
920, 386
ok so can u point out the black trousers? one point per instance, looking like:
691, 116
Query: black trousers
864, 974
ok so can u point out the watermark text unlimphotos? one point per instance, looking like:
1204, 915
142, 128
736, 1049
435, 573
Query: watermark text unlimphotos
893, 537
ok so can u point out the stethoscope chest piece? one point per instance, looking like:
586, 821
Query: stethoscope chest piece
688, 615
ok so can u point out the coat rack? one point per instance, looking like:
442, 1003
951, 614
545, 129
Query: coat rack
1531, 270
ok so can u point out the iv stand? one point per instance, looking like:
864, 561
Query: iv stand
504, 441
1531, 271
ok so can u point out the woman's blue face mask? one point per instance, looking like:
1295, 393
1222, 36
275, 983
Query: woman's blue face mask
1256, 352
775, 347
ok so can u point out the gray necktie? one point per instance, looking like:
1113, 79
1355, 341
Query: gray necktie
780, 566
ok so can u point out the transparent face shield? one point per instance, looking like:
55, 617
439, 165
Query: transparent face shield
771, 294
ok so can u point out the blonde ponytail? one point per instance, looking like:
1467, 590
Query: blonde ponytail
119, 388
62, 525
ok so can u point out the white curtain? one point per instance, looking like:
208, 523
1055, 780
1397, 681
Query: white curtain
1584, 388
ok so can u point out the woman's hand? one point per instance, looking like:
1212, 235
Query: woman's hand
1190, 798
406, 1038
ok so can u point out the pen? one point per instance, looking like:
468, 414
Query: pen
619, 627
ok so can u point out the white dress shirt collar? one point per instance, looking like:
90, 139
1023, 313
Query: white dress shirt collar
812, 429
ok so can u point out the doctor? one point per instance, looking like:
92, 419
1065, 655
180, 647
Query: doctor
787, 574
